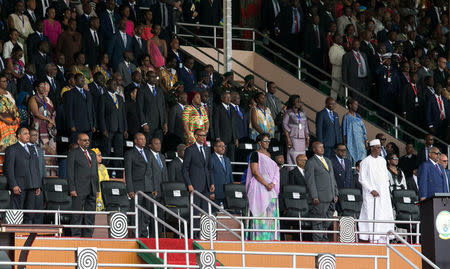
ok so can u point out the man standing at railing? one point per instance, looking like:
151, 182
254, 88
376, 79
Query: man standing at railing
376, 204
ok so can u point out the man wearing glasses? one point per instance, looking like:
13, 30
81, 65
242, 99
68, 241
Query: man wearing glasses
432, 177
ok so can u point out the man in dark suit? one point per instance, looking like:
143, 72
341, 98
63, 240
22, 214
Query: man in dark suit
82, 176
313, 46
412, 182
342, 167
322, 188
328, 129
410, 45
408, 162
134, 8
152, 108
422, 155
240, 116
291, 24
34, 145
225, 128
138, 176
83, 19
60, 6
389, 85
197, 171
138, 45
175, 167
437, 112
121, 42
25, 83
356, 72
162, 15
297, 175
432, 177
175, 116
222, 172
31, 13
55, 85
269, 18
186, 74
79, 110
93, 42
440, 74
210, 12
22, 173
112, 122
108, 22
97, 88
411, 100
174, 52
441, 48
35, 38
41, 58
126, 68
60, 73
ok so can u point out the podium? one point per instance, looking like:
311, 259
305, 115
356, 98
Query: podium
435, 229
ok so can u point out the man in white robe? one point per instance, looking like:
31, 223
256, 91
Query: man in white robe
374, 179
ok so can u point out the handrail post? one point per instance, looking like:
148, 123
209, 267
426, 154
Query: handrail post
175, 29
155, 213
299, 68
346, 93
215, 34
191, 223
136, 218
186, 246
253, 40
211, 244
242, 244
396, 127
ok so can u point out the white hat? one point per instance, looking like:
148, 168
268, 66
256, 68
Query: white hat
375, 142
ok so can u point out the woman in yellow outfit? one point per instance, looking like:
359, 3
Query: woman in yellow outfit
102, 176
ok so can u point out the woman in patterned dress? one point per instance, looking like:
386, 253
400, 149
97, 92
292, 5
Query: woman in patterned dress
261, 120
194, 117
104, 68
102, 176
9, 116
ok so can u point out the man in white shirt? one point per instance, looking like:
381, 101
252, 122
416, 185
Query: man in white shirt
297, 175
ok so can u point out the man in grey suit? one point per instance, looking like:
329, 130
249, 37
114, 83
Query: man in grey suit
22, 173
197, 171
33, 145
175, 116
126, 68
322, 188
175, 173
82, 176
275, 105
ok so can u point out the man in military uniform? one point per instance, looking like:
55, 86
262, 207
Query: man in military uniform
247, 91
225, 86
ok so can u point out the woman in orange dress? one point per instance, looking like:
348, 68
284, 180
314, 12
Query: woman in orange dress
9, 118
194, 117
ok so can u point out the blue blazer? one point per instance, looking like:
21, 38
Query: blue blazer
221, 176
196, 170
117, 49
430, 181
188, 80
344, 178
327, 132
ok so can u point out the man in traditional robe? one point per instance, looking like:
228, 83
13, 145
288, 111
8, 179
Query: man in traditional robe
376, 205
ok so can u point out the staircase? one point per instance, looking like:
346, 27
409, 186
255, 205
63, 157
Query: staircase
169, 244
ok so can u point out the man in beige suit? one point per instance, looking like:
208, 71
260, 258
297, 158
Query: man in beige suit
335, 54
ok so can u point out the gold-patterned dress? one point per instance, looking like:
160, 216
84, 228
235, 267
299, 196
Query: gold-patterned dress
8, 132
102, 176
197, 118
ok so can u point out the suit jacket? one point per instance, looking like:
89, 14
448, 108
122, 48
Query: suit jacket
152, 108
222, 176
111, 118
310, 44
175, 172
189, 80
296, 178
126, 72
32, 42
432, 113
210, 13
179, 57
92, 51
411, 184
96, 91
82, 177
350, 68
79, 111
138, 172
371, 54
327, 131
440, 77
197, 170
408, 164
176, 121
320, 181
118, 48
242, 121
138, 50
37, 16
55, 91
134, 11
82, 23
26, 85
286, 20
225, 124
159, 174
21, 168
408, 103
275, 105
106, 27
431, 180
39, 62
408, 49
442, 51
157, 16
268, 18
41, 162
343, 177
60, 6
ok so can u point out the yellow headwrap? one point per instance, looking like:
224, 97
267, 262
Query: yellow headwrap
96, 150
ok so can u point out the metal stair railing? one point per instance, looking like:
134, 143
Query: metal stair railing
399, 238
257, 36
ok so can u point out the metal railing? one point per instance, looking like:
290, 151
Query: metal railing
398, 237
158, 220
260, 40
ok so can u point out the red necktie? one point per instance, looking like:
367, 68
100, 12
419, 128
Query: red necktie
441, 107
87, 157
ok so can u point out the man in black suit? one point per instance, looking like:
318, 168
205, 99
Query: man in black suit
93, 42
60, 73
291, 24
55, 85
60, 6
328, 130
411, 104
138, 176
31, 13
79, 109
197, 171
134, 9
22, 173
33, 145
112, 122
408, 162
97, 88
126, 68
297, 175
82, 176
41, 58
214, 77
175, 167
269, 18
342, 167
25, 83
313, 47
138, 45
83, 19
163, 16
35, 38
409, 45
174, 52
440, 73
225, 127
241, 117
152, 108
437, 113
176, 118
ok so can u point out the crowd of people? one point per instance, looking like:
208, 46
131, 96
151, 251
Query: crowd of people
92, 75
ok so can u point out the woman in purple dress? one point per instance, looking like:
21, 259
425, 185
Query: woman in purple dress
295, 127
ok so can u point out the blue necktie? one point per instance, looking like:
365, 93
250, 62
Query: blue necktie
143, 155
331, 116
159, 161
223, 162
26, 148
83, 93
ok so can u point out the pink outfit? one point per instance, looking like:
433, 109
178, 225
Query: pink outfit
52, 31
155, 56
130, 28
